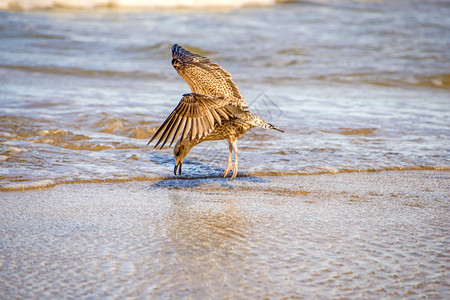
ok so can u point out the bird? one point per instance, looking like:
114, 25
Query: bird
214, 110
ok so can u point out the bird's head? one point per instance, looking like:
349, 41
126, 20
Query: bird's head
179, 153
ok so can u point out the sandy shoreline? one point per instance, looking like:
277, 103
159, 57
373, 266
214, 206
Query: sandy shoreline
382, 234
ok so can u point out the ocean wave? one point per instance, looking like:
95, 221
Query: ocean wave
187, 180
28, 185
14, 130
90, 4
79, 72
439, 81
126, 127
352, 131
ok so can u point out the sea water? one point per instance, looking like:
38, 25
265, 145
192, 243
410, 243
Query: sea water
356, 85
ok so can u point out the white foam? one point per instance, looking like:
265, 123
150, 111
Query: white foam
6, 134
15, 149
88, 4
58, 132
28, 185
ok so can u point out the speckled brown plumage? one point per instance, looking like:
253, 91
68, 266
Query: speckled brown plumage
205, 77
215, 110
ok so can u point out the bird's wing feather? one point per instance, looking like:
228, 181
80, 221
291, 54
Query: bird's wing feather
203, 76
194, 118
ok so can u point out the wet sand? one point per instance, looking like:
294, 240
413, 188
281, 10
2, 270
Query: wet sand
351, 235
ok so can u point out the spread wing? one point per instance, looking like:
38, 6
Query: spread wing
194, 118
205, 77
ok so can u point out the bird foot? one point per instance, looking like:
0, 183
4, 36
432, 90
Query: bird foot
233, 175
225, 173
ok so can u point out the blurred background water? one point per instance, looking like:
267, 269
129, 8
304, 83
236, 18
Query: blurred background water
357, 85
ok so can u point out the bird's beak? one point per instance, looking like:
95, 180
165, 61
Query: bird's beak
177, 167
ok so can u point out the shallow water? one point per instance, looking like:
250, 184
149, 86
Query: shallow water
369, 235
356, 85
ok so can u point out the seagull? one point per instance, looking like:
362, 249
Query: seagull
215, 110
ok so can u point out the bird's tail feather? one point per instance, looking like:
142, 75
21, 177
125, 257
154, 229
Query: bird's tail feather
275, 128
258, 122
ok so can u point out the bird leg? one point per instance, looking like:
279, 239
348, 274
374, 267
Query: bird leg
235, 171
229, 165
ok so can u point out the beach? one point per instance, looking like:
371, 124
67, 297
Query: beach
347, 235
357, 86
